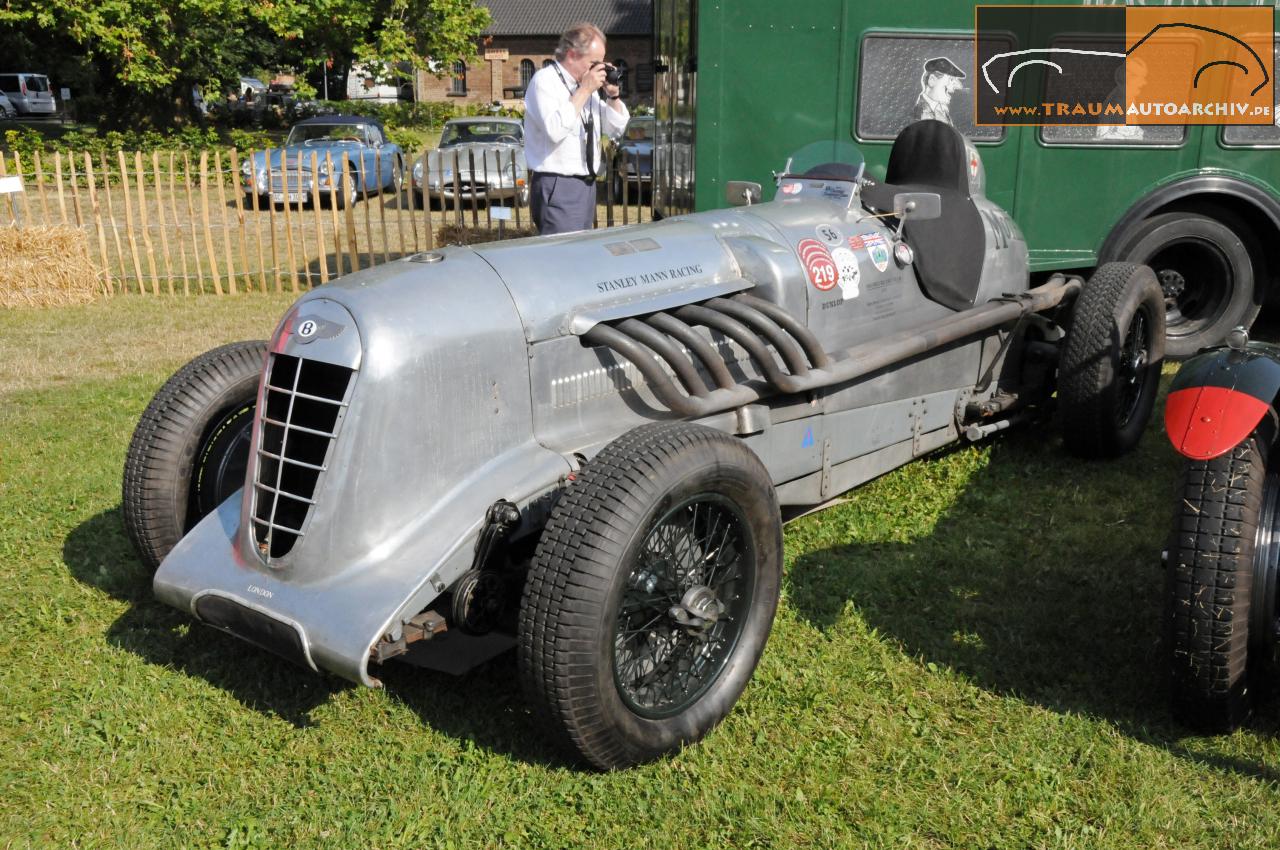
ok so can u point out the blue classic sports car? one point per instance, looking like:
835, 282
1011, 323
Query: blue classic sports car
286, 175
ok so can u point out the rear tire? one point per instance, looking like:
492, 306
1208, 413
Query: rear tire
190, 451
1109, 370
608, 653
1206, 273
1209, 587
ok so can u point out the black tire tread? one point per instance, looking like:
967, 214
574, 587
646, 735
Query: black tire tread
153, 496
1208, 588
571, 575
1086, 367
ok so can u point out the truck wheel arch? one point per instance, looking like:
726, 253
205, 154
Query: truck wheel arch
1247, 210
1206, 194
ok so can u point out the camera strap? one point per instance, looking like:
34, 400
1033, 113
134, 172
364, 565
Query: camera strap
588, 123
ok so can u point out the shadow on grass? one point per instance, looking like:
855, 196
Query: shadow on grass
481, 706
98, 553
1041, 582
485, 706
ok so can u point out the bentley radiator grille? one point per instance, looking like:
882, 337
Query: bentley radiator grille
302, 409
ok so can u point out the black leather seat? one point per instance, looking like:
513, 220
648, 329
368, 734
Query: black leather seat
930, 156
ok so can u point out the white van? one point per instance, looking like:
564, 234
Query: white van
30, 94
362, 84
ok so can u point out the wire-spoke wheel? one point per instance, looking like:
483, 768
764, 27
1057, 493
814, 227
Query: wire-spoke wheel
652, 593
346, 193
683, 606
1131, 372
397, 176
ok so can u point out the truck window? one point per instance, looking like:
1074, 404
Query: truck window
1257, 135
905, 77
1060, 89
1148, 136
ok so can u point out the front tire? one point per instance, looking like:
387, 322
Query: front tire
651, 594
1220, 586
190, 450
347, 195
1109, 371
397, 176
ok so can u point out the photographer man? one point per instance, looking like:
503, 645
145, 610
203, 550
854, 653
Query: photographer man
569, 105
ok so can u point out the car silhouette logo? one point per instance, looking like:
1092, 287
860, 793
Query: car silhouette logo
1264, 75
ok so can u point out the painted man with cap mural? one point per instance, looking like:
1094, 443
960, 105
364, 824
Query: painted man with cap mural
940, 79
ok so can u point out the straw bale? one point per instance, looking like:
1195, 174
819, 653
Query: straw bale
46, 267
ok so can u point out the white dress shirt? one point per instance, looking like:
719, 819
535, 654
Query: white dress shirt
555, 136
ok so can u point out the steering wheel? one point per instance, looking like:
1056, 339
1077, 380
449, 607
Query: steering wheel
508, 139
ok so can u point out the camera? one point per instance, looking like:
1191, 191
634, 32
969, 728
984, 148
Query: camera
612, 76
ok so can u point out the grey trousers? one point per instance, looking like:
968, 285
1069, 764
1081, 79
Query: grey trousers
561, 204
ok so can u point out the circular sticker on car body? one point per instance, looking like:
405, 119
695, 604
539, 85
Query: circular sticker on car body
831, 236
818, 264
847, 268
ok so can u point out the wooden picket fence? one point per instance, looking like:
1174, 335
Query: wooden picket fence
178, 222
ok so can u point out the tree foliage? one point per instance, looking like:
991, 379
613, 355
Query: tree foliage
140, 50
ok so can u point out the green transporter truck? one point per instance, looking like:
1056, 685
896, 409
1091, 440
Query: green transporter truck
741, 84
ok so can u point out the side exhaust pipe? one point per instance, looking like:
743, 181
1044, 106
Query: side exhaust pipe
771, 321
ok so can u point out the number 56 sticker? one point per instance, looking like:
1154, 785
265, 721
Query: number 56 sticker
818, 263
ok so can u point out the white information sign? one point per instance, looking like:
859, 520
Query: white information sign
9, 185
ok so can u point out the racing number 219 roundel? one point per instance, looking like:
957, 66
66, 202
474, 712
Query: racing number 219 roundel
818, 264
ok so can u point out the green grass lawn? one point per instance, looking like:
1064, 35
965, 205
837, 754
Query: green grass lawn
966, 656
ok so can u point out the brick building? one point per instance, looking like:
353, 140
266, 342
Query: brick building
523, 36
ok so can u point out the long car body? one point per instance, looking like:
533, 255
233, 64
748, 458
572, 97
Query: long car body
426, 433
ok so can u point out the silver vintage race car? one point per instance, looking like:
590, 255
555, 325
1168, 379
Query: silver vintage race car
580, 444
